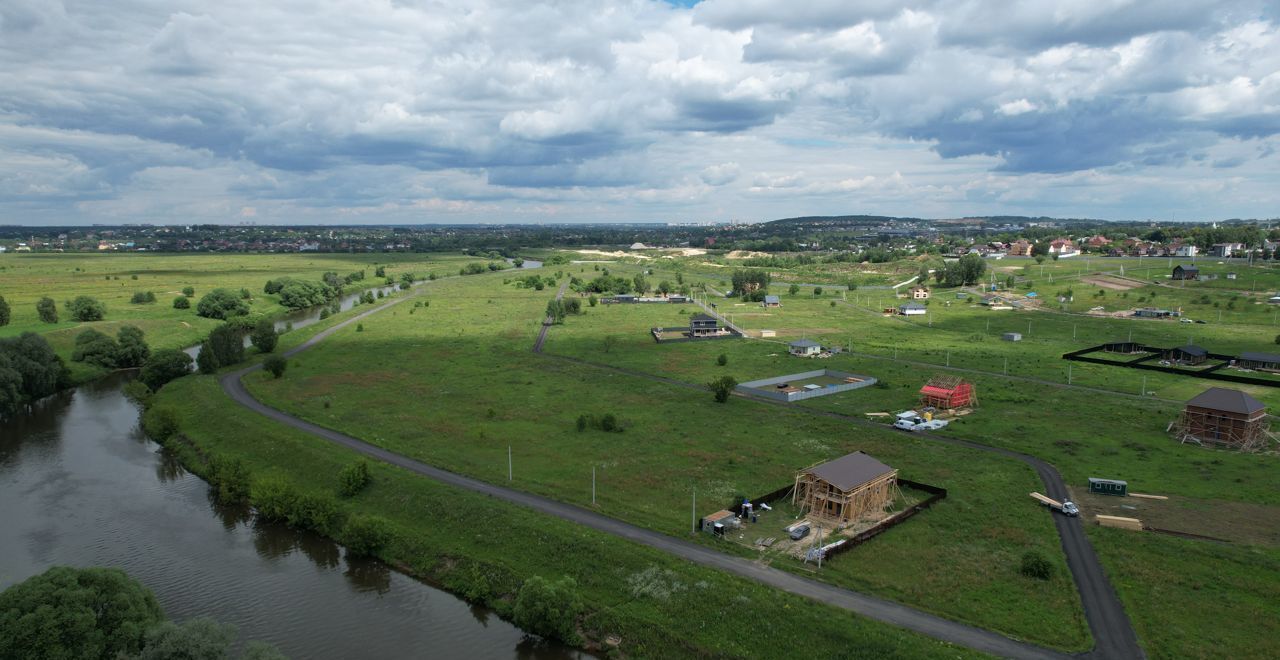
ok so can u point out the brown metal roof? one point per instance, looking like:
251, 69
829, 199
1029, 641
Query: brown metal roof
849, 472
1227, 400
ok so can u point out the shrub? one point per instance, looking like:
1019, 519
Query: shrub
221, 304
722, 387
4, 312
232, 479
160, 423
609, 423
85, 308
181, 302
273, 497
324, 313
1036, 566
722, 359
133, 350
188, 291
47, 309
359, 327
275, 365
365, 535
584, 420
138, 392
95, 348
549, 608
315, 512
163, 366
245, 295
354, 478
143, 297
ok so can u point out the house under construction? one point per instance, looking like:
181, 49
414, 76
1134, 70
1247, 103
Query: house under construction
948, 392
1224, 417
845, 490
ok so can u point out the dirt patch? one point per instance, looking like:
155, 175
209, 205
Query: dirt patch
745, 254
1240, 522
1112, 283
615, 253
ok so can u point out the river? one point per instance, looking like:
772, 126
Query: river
81, 485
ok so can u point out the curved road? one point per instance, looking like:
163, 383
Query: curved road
1116, 645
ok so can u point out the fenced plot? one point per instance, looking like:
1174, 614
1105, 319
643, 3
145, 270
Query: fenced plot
805, 385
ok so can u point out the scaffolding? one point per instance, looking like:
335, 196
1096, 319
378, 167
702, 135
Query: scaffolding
947, 392
1208, 427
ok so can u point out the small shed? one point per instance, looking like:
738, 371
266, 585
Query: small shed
724, 518
1265, 361
1189, 354
948, 392
1108, 487
1012, 336
772, 301
846, 489
1185, 272
919, 293
768, 333
703, 325
804, 348
912, 309
1224, 416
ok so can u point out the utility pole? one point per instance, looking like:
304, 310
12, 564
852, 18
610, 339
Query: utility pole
948, 357
593, 482
1144, 386
1006, 366
694, 523
1073, 331
509, 474
1068, 374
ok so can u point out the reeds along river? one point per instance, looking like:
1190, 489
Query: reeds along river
80, 485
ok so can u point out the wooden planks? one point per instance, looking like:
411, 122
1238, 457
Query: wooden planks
1119, 522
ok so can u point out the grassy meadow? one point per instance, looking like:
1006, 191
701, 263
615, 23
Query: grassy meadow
114, 278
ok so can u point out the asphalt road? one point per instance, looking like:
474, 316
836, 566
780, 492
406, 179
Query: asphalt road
1106, 618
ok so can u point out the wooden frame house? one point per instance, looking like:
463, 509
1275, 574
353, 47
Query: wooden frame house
1222, 416
703, 325
948, 392
845, 490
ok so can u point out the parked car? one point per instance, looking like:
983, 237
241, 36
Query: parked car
1185, 321
905, 424
800, 532
1200, 321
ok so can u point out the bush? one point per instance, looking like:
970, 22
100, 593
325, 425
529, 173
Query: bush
275, 365
722, 359
47, 309
315, 512
95, 348
133, 351
298, 294
274, 497
4, 312
583, 422
549, 608
143, 297
76, 613
188, 291
138, 392
1036, 566
609, 423
163, 366
354, 478
201, 638
722, 387
221, 304
264, 337
365, 535
181, 302
232, 479
85, 308
160, 423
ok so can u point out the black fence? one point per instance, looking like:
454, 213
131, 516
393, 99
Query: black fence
935, 494
1213, 372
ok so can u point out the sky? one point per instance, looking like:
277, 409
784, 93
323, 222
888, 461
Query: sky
414, 111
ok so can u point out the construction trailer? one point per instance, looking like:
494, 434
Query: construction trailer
845, 490
948, 392
1108, 487
1224, 417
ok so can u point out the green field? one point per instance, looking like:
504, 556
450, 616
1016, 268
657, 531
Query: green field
114, 278
455, 384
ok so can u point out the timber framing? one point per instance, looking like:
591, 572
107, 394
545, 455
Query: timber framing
846, 490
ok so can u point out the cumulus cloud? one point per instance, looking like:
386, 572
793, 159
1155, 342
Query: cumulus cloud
346, 108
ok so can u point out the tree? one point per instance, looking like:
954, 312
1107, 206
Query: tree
95, 348
181, 302
549, 608
723, 387
221, 304
275, 365
85, 308
641, 284
206, 359
1035, 565
133, 350
301, 294
196, 639
4, 312
748, 281
817, 291
555, 310
143, 297
264, 337
76, 613
972, 266
29, 370
354, 478
163, 366
47, 309
794, 289
227, 345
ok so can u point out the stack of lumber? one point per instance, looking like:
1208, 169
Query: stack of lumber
1119, 522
